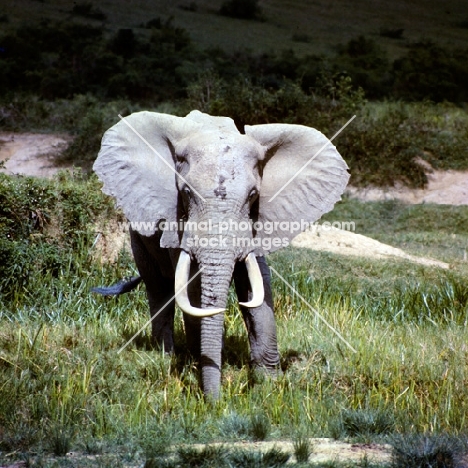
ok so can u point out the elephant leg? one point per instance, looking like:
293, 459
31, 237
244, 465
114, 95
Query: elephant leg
192, 334
159, 290
260, 321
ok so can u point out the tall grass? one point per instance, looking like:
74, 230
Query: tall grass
64, 386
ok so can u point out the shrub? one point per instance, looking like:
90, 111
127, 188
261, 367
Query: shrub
392, 33
235, 426
425, 451
41, 222
88, 10
243, 9
210, 455
429, 71
302, 448
259, 426
367, 65
273, 458
367, 422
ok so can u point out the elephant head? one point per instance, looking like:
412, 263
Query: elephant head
202, 170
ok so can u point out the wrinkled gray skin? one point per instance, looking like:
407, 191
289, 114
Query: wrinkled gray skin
227, 176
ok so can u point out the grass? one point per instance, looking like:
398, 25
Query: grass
64, 387
326, 25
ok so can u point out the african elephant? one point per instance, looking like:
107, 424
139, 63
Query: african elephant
200, 171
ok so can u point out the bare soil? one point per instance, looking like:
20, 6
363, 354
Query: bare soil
323, 451
31, 154
443, 188
350, 243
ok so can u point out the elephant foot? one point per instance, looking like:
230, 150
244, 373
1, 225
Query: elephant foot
260, 373
165, 344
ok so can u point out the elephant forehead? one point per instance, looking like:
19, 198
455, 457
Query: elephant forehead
212, 146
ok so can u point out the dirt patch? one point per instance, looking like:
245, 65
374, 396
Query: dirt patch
443, 188
350, 243
323, 450
110, 239
31, 154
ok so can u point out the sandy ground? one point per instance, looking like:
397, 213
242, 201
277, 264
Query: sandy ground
323, 451
443, 188
31, 154
350, 243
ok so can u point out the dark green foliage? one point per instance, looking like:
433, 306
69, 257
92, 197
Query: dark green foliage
209, 456
301, 38
392, 33
366, 422
235, 426
61, 60
30, 246
192, 6
274, 458
428, 71
428, 451
60, 439
260, 426
87, 10
302, 448
242, 9
367, 65
16, 434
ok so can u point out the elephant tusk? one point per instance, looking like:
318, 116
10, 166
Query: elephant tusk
181, 279
256, 282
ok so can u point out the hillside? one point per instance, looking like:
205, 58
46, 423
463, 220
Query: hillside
316, 25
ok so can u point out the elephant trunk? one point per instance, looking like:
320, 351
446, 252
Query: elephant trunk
217, 268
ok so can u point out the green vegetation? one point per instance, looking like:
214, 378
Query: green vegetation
420, 451
243, 9
65, 387
444, 22
76, 78
158, 63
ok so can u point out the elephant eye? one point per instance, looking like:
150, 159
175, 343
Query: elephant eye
187, 190
253, 194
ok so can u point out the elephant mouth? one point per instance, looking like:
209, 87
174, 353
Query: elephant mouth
182, 275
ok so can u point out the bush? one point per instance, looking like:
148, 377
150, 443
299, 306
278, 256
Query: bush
41, 221
243, 9
367, 65
425, 451
429, 71
365, 422
88, 10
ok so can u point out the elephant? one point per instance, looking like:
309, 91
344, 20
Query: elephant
227, 185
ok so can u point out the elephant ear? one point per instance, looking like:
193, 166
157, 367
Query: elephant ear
136, 165
313, 190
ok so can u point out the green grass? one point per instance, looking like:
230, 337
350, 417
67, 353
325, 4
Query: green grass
326, 25
64, 386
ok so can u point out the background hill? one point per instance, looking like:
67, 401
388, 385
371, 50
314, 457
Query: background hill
305, 26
